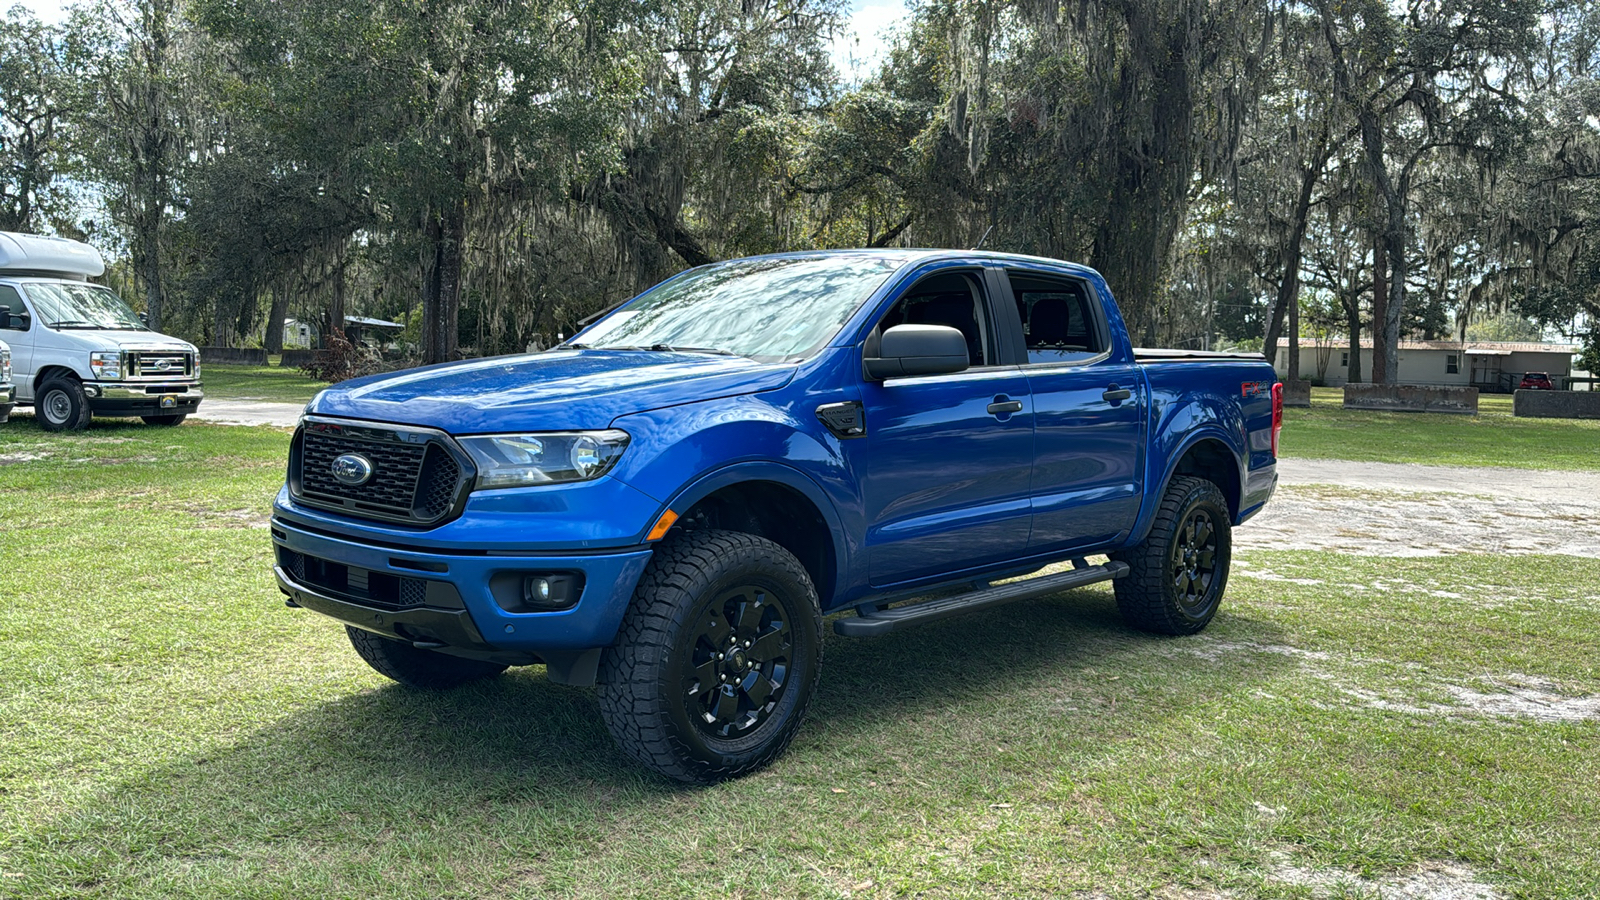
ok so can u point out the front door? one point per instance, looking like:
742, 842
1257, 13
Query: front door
20, 342
949, 456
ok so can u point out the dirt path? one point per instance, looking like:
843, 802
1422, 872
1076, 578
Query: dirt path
249, 412
1391, 509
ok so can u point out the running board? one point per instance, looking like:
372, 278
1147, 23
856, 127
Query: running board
873, 621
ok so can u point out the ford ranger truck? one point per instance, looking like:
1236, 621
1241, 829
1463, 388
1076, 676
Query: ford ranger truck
667, 505
77, 349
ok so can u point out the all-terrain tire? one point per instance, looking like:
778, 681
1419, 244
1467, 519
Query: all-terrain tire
168, 421
418, 668
62, 406
718, 657
1179, 571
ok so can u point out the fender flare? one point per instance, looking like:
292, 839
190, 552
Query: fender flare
1204, 433
708, 483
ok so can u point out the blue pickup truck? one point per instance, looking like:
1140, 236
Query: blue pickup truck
667, 505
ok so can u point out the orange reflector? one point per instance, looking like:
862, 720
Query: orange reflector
663, 525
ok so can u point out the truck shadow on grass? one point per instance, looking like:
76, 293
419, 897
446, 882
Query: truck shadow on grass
428, 777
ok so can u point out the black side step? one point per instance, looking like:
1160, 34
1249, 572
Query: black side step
873, 621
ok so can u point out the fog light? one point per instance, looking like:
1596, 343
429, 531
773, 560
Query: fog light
546, 591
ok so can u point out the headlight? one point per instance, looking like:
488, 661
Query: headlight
107, 366
196, 352
520, 460
5, 365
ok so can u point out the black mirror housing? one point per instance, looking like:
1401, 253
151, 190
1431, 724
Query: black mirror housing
918, 350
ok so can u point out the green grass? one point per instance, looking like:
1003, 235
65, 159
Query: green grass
171, 730
227, 382
1492, 438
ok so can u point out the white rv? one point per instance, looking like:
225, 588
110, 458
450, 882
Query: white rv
77, 349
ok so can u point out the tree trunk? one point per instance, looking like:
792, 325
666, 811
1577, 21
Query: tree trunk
1352, 313
1380, 303
280, 310
336, 298
1293, 373
1289, 288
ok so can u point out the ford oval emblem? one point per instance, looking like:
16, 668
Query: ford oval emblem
352, 469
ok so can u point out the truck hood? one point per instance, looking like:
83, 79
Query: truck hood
554, 391
94, 339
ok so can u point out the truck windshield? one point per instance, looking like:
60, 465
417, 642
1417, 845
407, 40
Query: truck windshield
770, 309
81, 306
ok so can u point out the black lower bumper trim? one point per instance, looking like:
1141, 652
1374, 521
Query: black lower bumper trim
151, 407
446, 630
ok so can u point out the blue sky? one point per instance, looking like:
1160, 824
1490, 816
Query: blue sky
855, 52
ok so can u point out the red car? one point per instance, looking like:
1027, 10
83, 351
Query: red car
1536, 381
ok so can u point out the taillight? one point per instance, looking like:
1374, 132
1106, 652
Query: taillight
1277, 416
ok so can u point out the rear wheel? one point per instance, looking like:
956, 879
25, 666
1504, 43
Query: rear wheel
1177, 574
165, 420
62, 406
719, 654
417, 668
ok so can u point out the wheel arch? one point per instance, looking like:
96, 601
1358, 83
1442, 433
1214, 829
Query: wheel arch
774, 502
48, 372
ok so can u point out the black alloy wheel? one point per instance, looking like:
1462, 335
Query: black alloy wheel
718, 655
1194, 560
740, 662
1178, 572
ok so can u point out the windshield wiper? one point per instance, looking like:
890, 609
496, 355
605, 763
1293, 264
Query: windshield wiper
73, 323
669, 348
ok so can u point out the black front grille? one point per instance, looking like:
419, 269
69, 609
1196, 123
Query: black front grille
415, 479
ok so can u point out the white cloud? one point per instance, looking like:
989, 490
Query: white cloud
861, 47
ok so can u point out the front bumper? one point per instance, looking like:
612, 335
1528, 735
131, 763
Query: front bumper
133, 399
8, 400
449, 599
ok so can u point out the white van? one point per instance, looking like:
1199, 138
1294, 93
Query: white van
77, 350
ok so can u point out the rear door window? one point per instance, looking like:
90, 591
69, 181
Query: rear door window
1059, 322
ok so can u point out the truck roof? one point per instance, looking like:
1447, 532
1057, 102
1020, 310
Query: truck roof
37, 253
923, 254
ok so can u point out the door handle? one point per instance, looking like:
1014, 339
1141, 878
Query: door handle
1002, 406
1115, 394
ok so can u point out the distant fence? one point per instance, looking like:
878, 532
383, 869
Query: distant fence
1297, 393
240, 356
294, 359
1411, 398
1556, 404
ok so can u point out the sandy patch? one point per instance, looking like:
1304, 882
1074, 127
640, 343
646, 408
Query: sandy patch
1431, 881
1387, 509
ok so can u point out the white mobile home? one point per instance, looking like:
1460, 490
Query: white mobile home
1487, 365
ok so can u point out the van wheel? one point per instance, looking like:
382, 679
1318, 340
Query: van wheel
62, 406
1179, 571
718, 656
406, 664
165, 420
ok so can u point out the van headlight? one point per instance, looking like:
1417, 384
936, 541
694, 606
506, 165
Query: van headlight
521, 460
106, 365
5, 365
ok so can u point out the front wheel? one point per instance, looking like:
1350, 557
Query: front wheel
167, 421
62, 406
719, 653
1177, 574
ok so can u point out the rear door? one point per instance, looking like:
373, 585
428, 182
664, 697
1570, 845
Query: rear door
1090, 402
949, 456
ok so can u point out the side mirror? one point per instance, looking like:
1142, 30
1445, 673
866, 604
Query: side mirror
918, 350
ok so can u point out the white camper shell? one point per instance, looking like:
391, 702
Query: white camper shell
77, 350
